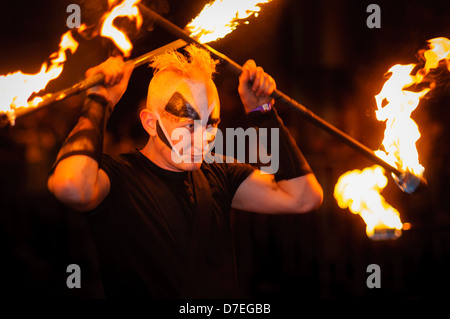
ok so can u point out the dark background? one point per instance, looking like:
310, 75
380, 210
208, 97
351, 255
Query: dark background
322, 54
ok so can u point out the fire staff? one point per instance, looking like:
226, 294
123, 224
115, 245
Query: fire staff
161, 223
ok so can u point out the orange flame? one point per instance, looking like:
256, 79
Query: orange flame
129, 9
360, 191
16, 88
221, 17
215, 21
401, 131
439, 51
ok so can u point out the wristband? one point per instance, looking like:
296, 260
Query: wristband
263, 108
292, 163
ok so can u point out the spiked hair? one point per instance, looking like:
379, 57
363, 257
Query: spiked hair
198, 63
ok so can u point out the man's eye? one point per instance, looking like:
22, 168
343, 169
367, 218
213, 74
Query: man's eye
189, 126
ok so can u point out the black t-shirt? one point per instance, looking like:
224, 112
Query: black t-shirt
166, 234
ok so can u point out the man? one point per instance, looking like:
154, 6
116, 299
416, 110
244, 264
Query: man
160, 216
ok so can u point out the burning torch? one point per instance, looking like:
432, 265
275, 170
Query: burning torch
406, 180
83, 85
215, 21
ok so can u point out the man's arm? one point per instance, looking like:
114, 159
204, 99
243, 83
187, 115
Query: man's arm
260, 193
294, 188
76, 179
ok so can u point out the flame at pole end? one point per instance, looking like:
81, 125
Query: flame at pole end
128, 8
221, 17
16, 88
360, 192
396, 103
401, 133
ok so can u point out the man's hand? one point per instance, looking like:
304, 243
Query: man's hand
255, 86
117, 73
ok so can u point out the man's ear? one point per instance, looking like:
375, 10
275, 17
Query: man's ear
148, 120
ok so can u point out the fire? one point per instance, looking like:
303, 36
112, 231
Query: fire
360, 191
439, 51
214, 22
128, 9
401, 132
16, 88
221, 17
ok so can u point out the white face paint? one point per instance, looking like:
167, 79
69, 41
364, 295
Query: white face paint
191, 138
193, 144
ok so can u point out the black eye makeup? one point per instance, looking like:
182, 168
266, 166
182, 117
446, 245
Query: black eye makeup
178, 106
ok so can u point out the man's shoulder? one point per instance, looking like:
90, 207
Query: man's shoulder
220, 160
224, 164
217, 162
123, 160
227, 171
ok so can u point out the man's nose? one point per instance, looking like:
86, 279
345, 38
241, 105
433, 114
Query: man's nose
198, 140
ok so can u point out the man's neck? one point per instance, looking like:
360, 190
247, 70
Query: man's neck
152, 152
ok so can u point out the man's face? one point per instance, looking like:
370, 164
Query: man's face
188, 122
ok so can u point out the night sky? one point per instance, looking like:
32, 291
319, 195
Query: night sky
322, 54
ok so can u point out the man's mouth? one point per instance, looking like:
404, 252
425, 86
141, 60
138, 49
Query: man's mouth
197, 158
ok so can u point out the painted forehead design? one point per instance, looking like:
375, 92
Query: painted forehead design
179, 107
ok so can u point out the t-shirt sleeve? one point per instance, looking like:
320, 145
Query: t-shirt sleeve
115, 169
236, 174
111, 166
